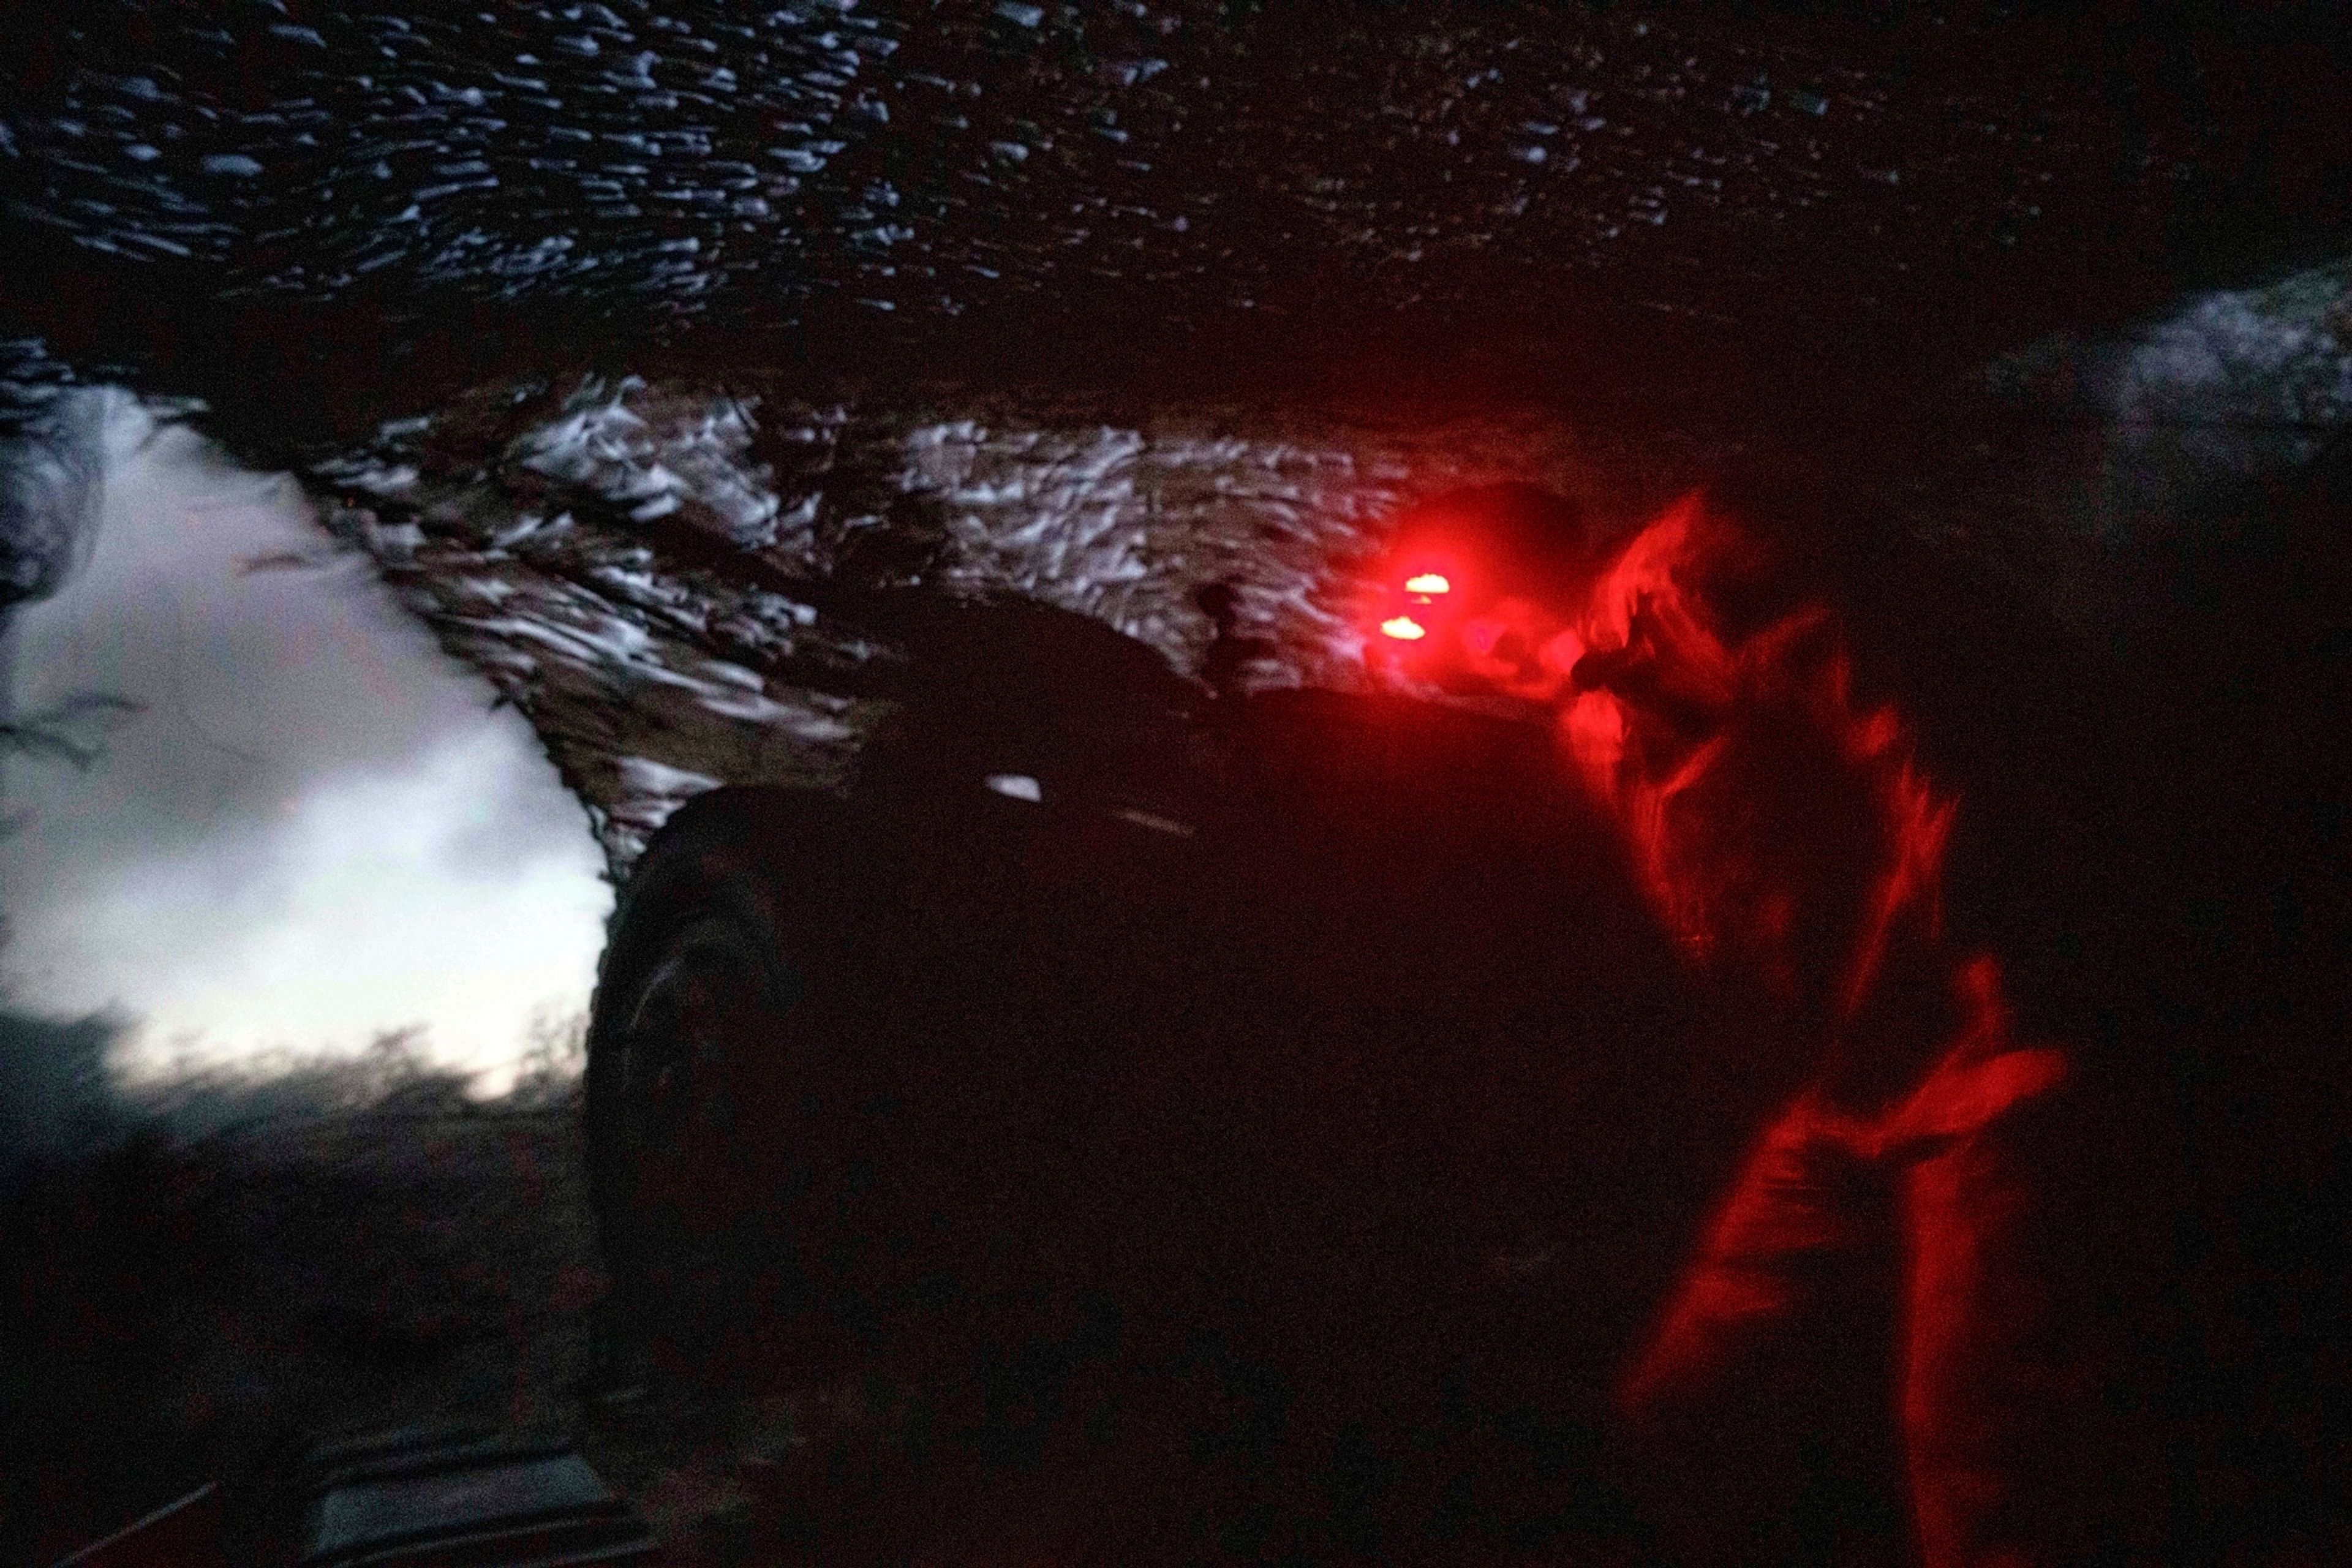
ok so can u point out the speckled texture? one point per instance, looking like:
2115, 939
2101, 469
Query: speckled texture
538, 534
919, 162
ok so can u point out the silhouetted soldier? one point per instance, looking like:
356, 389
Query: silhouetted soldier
1229, 656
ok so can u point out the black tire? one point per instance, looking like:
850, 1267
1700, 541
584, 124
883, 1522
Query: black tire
718, 1102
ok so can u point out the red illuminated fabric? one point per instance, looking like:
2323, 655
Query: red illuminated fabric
1781, 828
1945, 1167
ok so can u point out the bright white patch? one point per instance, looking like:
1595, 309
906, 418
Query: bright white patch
1017, 787
369, 474
313, 833
688, 452
653, 792
640, 777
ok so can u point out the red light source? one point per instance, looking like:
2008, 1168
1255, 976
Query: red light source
1428, 582
1561, 653
1404, 628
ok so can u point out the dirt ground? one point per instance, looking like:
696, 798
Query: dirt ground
190, 1309
189, 1306
185, 1310
182, 1307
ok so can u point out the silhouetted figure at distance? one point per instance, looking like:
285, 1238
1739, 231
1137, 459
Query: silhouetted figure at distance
1229, 656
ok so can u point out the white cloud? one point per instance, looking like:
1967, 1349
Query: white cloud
314, 832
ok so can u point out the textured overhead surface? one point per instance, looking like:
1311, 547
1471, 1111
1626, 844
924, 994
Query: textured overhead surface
679, 585
895, 164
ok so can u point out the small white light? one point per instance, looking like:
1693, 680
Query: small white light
1018, 787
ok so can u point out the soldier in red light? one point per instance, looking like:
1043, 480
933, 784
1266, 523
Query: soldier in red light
1786, 834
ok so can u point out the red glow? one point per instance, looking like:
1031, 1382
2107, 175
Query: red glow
1775, 820
1515, 645
1856, 836
1561, 653
1428, 582
1404, 628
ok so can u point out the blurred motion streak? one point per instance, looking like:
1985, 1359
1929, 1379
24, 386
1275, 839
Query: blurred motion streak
1784, 831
